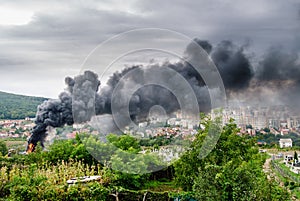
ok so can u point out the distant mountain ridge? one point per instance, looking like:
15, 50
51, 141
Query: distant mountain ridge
14, 106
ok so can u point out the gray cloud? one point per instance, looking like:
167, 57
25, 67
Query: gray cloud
62, 33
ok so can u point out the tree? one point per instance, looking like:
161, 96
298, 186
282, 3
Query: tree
3, 148
267, 130
60, 150
249, 126
296, 157
124, 142
231, 171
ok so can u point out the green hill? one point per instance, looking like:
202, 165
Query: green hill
14, 106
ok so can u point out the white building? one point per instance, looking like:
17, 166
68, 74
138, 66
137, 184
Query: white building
285, 143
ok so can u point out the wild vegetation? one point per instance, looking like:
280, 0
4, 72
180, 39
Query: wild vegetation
18, 106
231, 171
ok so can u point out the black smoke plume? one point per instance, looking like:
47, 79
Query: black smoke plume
57, 113
233, 65
82, 99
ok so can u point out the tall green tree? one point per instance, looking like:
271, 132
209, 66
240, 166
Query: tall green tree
296, 156
231, 171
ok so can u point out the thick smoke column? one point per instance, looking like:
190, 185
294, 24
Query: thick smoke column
57, 113
54, 113
83, 92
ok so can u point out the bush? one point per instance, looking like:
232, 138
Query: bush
3, 148
286, 183
48, 182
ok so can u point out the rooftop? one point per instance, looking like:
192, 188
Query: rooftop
286, 140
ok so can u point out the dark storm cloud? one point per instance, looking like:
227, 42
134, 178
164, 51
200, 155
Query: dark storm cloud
85, 23
262, 21
59, 40
62, 33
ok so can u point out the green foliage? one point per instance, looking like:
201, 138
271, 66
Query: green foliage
231, 171
123, 161
130, 181
49, 183
121, 154
124, 142
60, 150
272, 139
17, 106
37, 180
64, 150
3, 148
285, 171
156, 141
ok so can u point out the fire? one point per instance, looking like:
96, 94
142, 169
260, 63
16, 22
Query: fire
30, 148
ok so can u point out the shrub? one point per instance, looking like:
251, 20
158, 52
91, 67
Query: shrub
3, 148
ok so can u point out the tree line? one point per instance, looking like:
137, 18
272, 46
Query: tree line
18, 106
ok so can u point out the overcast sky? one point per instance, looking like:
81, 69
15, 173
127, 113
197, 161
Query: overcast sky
42, 42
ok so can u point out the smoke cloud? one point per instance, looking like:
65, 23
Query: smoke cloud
279, 71
57, 113
279, 66
237, 72
234, 66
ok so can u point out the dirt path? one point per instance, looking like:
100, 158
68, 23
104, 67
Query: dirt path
270, 174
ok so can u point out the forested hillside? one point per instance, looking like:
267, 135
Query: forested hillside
14, 106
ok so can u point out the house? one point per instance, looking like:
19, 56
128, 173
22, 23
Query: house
285, 143
261, 142
284, 131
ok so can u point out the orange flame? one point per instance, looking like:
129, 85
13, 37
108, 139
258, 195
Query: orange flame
30, 148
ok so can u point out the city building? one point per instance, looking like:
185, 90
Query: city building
279, 119
285, 143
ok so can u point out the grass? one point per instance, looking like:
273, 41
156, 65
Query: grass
272, 151
12, 143
16, 144
281, 178
287, 169
296, 192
